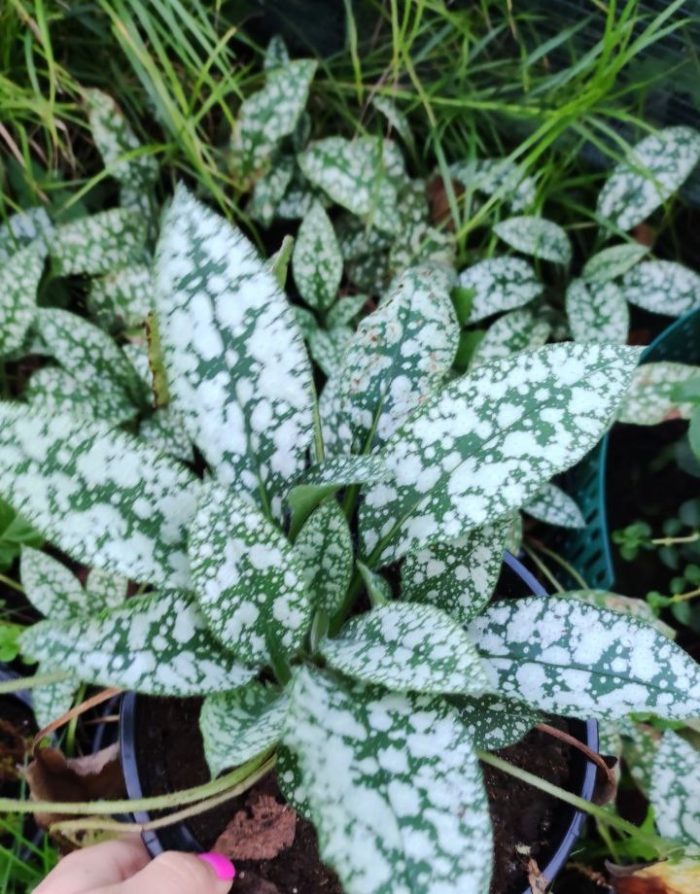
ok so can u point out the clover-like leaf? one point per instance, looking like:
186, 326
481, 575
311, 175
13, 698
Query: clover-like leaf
675, 790
99, 494
51, 588
324, 547
157, 645
317, 262
494, 722
236, 726
270, 114
613, 261
652, 171
537, 237
651, 397
235, 361
250, 583
597, 312
663, 287
565, 657
489, 441
393, 787
407, 647
516, 331
497, 284
397, 357
458, 576
554, 507
21, 229
99, 243
123, 299
19, 281
269, 190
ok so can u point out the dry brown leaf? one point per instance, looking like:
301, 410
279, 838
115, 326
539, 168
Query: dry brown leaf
660, 878
538, 883
260, 832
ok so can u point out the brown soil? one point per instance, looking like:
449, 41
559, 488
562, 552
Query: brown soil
526, 823
16, 730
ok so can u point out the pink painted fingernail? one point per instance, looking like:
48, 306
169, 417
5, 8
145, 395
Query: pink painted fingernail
221, 865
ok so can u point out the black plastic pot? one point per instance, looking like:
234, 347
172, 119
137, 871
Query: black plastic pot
515, 581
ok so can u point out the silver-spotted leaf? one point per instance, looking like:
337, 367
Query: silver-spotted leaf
408, 647
110, 589
640, 742
269, 190
317, 262
345, 310
19, 280
21, 229
279, 265
235, 361
123, 299
554, 507
99, 494
156, 645
396, 119
651, 397
626, 605
236, 726
653, 170
613, 261
519, 330
597, 312
663, 287
537, 237
50, 587
498, 284
378, 588
494, 722
249, 581
100, 243
276, 53
328, 347
52, 701
675, 790
458, 576
290, 781
392, 786
324, 547
566, 657
489, 441
51, 390
497, 177
165, 430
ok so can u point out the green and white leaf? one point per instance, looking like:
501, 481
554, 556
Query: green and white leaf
489, 441
22, 228
123, 299
626, 605
106, 589
675, 791
517, 331
421, 244
459, 576
100, 495
358, 240
396, 359
52, 701
237, 726
317, 262
554, 507
19, 280
651, 397
537, 237
100, 243
50, 587
290, 781
499, 177
250, 583
514, 532
407, 647
156, 645
370, 273
652, 171
51, 390
377, 587
276, 54
597, 312
237, 369
498, 284
269, 190
640, 742
270, 114
279, 265
298, 198
494, 722
613, 262
663, 287
565, 657
166, 431
397, 120
325, 550
305, 320
328, 348
345, 310
392, 786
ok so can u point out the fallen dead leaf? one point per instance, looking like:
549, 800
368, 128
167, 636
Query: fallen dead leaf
538, 883
260, 832
659, 878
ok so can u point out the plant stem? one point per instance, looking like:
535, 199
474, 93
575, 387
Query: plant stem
11, 583
543, 569
670, 541
9, 686
560, 560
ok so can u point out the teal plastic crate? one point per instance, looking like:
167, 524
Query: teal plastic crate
588, 550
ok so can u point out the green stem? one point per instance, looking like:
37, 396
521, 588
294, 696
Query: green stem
11, 583
9, 686
671, 541
543, 569
353, 592
73, 724
550, 553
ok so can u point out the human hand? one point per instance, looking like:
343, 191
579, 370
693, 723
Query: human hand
124, 867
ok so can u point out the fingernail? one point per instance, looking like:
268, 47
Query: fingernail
221, 865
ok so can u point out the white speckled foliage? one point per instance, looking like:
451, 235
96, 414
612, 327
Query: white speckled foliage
235, 361
650, 399
458, 576
626, 605
249, 581
99, 494
566, 657
537, 237
324, 547
516, 331
236, 726
328, 347
99, 243
498, 284
609, 263
393, 787
494, 722
489, 441
122, 299
22, 228
675, 791
597, 312
396, 119
317, 262
19, 280
397, 358
554, 507
157, 644
653, 170
51, 390
269, 190
345, 310
407, 647
499, 177
663, 287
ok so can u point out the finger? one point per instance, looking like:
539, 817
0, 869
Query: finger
178, 873
95, 867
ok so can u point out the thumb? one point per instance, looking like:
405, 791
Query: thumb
179, 873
